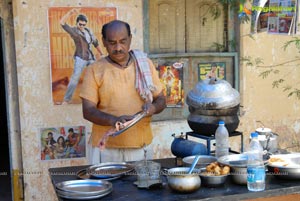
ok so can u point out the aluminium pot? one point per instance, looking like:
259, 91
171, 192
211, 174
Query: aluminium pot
213, 94
207, 125
210, 101
180, 181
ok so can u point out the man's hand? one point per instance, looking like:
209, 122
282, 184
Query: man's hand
149, 108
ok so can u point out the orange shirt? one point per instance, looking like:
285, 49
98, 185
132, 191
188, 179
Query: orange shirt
113, 90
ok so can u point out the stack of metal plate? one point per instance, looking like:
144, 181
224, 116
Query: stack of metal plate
106, 171
83, 189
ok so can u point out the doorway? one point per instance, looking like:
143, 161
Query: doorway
5, 174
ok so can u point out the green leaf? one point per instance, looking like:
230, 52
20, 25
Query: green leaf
265, 74
287, 88
276, 83
258, 61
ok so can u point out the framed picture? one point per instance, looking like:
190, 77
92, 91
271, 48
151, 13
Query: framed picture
212, 70
63, 142
171, 75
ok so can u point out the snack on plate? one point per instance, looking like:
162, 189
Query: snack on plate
216, 169
272, 160
277, 161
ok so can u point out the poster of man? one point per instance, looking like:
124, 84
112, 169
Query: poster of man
212, 70
75, 42
63, 142
172, 78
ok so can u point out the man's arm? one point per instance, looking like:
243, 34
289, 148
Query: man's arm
68, 15
157, 105
94, 115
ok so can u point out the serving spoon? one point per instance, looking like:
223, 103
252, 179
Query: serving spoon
195, 161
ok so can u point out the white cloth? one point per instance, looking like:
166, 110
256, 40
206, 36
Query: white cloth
143, 82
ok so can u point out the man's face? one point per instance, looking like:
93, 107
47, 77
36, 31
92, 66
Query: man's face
117, 43
81, 25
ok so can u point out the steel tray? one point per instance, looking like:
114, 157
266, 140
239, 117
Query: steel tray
84, 174
289, 168
84, 188
79, 196
136, 119
110, 170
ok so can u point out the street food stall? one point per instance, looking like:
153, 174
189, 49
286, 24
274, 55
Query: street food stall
167, 179
124, 187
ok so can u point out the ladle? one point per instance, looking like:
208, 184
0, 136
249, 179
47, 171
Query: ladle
195, 161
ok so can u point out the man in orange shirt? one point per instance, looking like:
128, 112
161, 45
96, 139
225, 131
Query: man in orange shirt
112, 92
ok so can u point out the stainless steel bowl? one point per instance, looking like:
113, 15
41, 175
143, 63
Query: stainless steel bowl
239, 175
213, 180
203, 161
238, 167
179, 180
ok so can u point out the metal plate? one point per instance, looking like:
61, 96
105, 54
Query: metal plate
203, 161
83, 174
235, 160
75, 196
84, 187
136, 119
110, 170
288, 168
291, 161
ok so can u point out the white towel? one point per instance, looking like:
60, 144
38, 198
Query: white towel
143, 83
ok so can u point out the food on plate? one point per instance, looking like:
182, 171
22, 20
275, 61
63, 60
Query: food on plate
271, 160
277, 161
216, 169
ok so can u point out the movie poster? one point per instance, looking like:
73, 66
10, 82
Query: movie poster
212, 70
171, 75
63, 142
62, 47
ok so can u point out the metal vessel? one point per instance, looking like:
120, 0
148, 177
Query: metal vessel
210, 101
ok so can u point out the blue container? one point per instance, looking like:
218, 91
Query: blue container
181, 147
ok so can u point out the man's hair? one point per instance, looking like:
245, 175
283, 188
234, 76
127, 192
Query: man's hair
50, 133
115, 23
71, 130
81, 17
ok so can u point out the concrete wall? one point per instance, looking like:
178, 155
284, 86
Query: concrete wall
260, 102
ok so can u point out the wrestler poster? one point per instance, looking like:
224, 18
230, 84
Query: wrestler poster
62, 46
171, 75
63, 142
